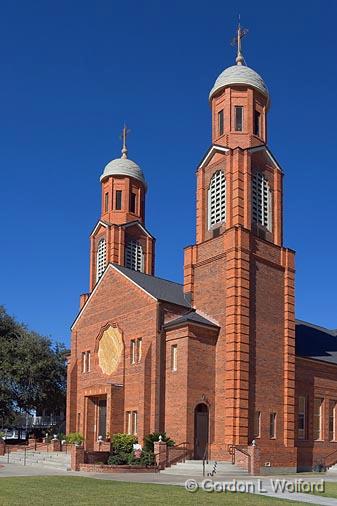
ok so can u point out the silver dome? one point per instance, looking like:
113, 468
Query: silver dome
240, 75
123, 167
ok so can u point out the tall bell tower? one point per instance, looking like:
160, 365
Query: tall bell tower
120, 235
239, 273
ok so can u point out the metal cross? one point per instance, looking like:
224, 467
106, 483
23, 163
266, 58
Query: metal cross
241, 32
124, 135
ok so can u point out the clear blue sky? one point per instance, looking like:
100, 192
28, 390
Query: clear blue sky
72, 72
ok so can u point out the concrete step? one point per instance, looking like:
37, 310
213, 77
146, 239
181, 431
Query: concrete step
195, 468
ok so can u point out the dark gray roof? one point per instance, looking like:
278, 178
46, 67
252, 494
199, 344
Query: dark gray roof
317, 343
161, 289
193, 317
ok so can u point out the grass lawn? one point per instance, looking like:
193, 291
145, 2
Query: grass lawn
330, 490
54, 490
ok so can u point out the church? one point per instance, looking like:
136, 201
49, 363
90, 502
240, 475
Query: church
220, 360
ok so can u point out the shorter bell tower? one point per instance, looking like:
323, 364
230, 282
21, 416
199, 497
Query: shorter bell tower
120, 235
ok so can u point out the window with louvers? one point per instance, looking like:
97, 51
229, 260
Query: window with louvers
261, 201
217, 199
134, 257
101, 258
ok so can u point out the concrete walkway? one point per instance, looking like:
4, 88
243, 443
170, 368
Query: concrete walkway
256, 483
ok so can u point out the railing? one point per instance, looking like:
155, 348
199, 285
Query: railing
329, 460
205, 460
182, 448
232, 449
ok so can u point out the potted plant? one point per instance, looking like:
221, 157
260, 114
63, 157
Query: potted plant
75, 438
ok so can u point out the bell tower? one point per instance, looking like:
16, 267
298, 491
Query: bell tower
120, 235
239, 273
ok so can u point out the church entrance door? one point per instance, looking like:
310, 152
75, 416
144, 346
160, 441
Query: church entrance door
201, 422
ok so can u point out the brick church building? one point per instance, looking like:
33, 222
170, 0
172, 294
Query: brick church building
219, 360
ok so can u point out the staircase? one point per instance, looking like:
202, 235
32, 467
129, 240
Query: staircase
213, 470
54, 460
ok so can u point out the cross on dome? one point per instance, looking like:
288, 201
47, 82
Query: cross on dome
124, 135
241, 32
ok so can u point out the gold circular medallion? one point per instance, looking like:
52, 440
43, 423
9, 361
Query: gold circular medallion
110, 350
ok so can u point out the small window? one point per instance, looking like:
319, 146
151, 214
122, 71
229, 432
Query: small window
132, 422
83, 361
272, 426
129, 421
261, 201
132, 351
100, 258
217, 199
86, 361
139, 349
318, 418
332, 420
302, 418
257, 424
106, 202
238, 118
133, 199
118, 200
174, 357
78, 422
257, 123
220, 122
134, 256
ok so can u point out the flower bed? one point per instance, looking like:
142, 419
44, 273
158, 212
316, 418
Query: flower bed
104, 468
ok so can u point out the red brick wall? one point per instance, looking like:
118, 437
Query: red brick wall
315, 379
136, 316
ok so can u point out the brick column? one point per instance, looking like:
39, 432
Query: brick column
55, 445
2, 447
77, 457
160, 451
254, 462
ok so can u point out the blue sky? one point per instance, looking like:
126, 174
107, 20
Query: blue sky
73, 72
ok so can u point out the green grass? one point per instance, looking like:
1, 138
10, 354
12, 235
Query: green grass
54, 490
330, 490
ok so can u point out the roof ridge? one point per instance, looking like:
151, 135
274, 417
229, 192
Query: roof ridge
149, 275
314, 325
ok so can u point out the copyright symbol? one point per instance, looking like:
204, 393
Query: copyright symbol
191, 485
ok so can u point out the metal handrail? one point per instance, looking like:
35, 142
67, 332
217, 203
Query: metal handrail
233, 448
327, 456
205, 460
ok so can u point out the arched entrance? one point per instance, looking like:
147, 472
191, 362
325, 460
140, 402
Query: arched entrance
200, 430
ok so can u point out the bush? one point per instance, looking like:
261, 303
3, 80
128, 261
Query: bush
119, 459
153, 437
75, 438
122, 443
122, 458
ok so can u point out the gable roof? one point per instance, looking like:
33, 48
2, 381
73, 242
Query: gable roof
316, 343
192, 317
160, 289
157, 288
215, 148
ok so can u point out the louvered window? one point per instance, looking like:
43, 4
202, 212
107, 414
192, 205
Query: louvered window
134, 257
261, 201
101, 258
217, 199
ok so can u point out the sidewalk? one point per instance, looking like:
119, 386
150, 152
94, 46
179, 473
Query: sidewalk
14, 470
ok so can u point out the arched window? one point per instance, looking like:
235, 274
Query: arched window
261, 201
217, 199
100, 258
134, 256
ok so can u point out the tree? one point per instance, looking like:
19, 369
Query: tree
32, 370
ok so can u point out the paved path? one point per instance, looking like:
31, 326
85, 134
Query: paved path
12, 470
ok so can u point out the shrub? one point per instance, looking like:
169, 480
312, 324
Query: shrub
122, 443
75, 438
118, 459
153, 437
